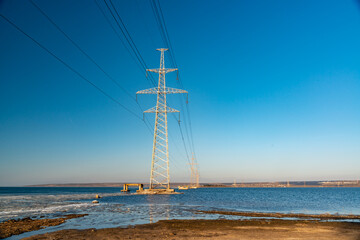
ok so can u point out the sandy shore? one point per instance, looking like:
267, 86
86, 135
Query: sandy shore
219, 229
278, 227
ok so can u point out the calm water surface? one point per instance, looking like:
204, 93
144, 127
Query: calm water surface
116, 209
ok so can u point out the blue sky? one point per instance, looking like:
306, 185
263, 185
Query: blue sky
274, 91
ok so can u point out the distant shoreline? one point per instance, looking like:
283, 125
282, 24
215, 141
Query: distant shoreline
290, 184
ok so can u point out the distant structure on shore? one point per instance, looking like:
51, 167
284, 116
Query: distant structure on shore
194, 177
160, 177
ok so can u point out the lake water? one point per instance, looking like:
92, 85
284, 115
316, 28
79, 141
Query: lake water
117, 209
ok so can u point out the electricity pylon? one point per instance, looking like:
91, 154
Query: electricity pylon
194, 177
159, 177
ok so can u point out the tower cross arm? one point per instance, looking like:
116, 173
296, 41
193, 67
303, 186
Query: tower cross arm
154, 110
162, 70
167, 90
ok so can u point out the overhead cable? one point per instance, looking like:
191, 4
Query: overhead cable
87, 55
71, 68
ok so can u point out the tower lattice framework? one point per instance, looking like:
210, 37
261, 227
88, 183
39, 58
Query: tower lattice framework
160, 177
194, 173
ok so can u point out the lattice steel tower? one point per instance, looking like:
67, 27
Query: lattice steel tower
159, 177
194, 176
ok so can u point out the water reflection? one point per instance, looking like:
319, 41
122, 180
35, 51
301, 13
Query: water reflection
157, 210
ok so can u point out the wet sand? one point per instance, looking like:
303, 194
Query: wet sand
219, 229
16, 227
285, 215
277, 227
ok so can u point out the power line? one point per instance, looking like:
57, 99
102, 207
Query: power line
134, 52
158, 21
140, 13
121, 25
138, 63
91, 59
130, 41
156, 7
181, 85
127, 32
121, 40
80, 49
166, 33
127, 36
182, 137
87, 55
71, 68
163, 29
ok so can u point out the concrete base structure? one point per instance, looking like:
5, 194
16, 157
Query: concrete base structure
157, 191
126, 186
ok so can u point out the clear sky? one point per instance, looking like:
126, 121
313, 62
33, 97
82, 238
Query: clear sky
274, 91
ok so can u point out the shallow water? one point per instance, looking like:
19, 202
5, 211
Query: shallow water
117, 209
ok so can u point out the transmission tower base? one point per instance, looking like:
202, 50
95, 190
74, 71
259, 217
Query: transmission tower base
157, 191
